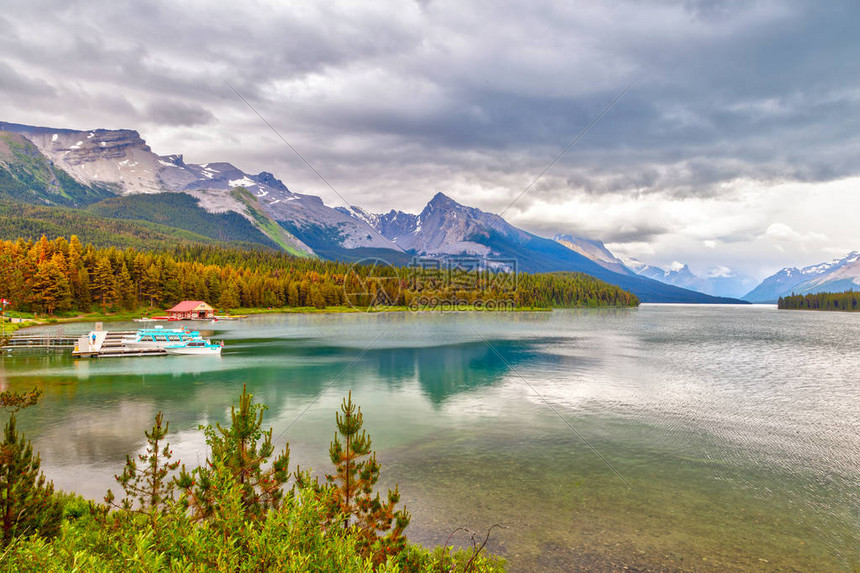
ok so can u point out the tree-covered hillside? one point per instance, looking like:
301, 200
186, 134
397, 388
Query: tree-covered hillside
48, 276
845, 301
181, 211
30, 222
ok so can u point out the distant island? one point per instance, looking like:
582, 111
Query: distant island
848, 301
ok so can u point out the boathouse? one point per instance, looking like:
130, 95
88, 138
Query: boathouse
191, 310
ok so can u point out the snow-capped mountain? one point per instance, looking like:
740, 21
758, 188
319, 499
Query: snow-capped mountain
720, 282
678, 274
120, 161
835, 276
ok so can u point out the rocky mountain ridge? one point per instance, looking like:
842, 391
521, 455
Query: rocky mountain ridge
121, 162
836, 275
596, 251
445, 228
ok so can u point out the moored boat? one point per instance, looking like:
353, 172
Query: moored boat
157, 338
195, 348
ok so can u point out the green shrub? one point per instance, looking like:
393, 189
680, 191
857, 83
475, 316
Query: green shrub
243, 526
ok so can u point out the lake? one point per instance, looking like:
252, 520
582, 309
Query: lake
700, 438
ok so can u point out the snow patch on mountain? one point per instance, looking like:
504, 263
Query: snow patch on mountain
837, 275
719, 281
243, 182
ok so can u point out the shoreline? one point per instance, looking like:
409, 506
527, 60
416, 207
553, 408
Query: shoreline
129, 316
240, 313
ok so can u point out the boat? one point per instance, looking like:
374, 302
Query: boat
144, 319
158, 338
194, 348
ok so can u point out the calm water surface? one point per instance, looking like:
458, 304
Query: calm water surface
697, 438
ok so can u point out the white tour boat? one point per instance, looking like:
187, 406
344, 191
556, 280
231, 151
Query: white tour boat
194, 347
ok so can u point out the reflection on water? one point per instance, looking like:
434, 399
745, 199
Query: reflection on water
737, 428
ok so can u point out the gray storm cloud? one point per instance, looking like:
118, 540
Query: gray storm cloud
394, 101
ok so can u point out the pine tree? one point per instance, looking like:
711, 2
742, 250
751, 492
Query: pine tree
147, 488
50, 288
213, 284
27, 502
229, 297
243, 449
293, 295
82, 294
76, 249
150, 286
171, 291
379, 526
317, 298
102, 282
124, 289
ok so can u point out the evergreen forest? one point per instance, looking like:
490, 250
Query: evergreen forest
846, 301
60, 275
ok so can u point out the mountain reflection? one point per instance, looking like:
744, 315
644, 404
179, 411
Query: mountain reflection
444, 371
94, 411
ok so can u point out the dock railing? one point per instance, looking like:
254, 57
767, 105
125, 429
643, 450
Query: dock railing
56, 340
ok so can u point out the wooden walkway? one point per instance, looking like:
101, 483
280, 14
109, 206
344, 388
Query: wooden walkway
106, 345
46, 342
110, 345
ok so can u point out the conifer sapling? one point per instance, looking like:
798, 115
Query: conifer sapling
27, 502
379, 525
243, 449
149, 486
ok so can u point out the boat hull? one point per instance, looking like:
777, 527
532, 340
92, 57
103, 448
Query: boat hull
194, 351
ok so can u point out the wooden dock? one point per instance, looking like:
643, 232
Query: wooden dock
39, 342
106, 345
96, 344
109, 345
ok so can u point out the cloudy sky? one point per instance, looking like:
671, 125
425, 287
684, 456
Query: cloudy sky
737, 148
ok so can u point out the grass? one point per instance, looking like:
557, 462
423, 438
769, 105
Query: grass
73, 316
7, 328
265, 223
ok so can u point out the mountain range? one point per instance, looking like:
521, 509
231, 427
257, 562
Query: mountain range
835, 276
114, 175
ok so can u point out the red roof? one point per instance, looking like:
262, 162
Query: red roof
187, 306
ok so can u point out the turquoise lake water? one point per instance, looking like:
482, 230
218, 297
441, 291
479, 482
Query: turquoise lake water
704, 438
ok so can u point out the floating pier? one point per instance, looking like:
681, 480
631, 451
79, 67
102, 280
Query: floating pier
96, 344
101, 344
39, 342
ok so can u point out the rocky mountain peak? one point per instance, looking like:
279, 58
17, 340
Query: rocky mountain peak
176, 160
441, 201
270, 180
